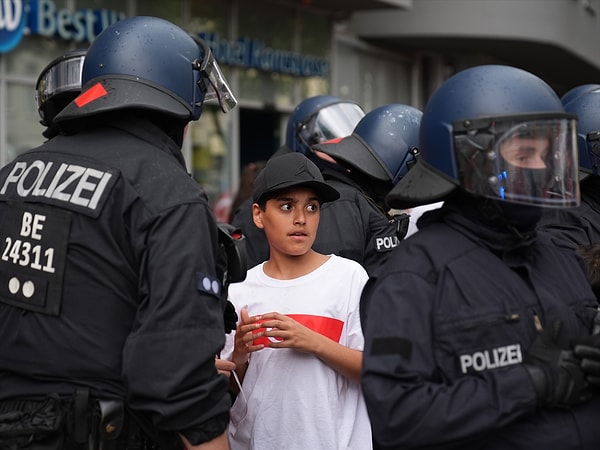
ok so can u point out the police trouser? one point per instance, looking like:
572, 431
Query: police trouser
77, 423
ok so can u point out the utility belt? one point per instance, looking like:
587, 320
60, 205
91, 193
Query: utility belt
77, 423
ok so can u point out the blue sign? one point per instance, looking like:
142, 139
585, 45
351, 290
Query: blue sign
12, 23
81, 25
41, 17
246, 52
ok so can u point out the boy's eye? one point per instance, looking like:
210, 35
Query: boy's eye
286, 206
313, 207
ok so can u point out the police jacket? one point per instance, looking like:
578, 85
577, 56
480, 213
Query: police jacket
107, 277
581, 225
257, 246
447, 323
354, 226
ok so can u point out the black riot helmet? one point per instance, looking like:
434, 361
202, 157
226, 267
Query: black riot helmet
57, 85
147, 63
380, 144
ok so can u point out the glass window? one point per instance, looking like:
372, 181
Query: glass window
23, 128
111, 5
370, 79
269, 22
23, 66
210, 16
171, 10
209, 138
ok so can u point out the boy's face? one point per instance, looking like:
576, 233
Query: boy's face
290, 220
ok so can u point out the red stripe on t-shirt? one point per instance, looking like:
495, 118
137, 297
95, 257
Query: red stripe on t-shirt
327, 326
93, 93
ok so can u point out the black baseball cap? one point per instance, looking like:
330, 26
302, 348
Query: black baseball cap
290, 170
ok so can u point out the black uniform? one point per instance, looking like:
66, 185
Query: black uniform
447, 323
257, 246
107, 277
581, 225
354, 226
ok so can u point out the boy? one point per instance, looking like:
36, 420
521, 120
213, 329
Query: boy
298, 345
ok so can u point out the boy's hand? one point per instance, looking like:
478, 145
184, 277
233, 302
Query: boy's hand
289, 333
224, 367
245, 333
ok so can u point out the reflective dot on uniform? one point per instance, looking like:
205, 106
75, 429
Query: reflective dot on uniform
14, 285
28, 289
215, 286
206, 283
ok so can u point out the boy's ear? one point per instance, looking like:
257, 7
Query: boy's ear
257, 215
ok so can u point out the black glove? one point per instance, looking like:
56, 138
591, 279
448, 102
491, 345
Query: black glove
230, 317
587, 349
556, 374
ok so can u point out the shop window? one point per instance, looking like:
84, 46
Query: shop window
210, 17
210, 146
171, 10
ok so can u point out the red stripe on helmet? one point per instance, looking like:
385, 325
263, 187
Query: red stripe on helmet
93, 93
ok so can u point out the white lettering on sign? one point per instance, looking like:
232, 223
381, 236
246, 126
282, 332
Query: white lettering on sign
11, 14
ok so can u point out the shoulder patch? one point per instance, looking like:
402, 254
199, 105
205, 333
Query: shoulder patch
208, 284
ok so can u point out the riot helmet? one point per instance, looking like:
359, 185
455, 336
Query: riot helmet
58, 84
148, 63
496, 132
575, 92
320, 118
380, 145
587, 109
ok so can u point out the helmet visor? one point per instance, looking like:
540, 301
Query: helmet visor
334, 121
213, 81
60, 76
522, 159
593, 145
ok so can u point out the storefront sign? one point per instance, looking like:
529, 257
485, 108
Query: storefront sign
41, 17
246, 52
12, 23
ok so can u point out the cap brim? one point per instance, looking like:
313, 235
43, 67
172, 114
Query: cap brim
353, 151
324, 191
420, 186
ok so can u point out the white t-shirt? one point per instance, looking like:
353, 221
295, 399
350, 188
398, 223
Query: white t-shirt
292, 400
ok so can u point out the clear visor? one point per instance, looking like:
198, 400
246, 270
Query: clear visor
593, 145
62, 76
528, 159
334, 121
213, 81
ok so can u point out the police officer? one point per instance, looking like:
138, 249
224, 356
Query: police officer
363, 167
581, 226
57, 85
468, 326
315, 119
110, 306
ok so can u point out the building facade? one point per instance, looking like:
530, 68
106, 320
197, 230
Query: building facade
277, 52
